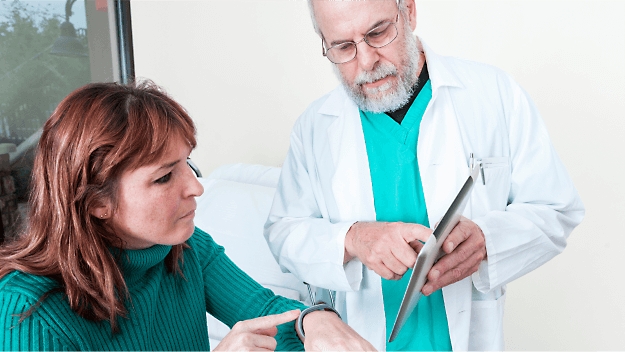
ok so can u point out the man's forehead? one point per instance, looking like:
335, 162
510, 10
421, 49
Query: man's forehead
341, 18
340, 8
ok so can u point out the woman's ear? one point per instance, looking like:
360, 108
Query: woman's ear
101, 211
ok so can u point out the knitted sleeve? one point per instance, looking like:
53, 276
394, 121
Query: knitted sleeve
231, 295
37, 332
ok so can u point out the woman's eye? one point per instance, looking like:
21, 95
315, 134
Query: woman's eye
163, 179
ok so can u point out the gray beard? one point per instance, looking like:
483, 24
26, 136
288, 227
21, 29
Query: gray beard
389, 96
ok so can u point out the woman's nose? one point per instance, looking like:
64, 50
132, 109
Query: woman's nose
193, 186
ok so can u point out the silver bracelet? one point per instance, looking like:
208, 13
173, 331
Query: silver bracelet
299, 326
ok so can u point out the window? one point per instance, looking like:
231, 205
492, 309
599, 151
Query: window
48, 49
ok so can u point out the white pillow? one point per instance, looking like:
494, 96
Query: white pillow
233, 210
248, 173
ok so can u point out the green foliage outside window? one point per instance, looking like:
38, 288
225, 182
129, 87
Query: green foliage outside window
32, 81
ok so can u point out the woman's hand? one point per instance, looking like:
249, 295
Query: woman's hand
326, 331
256, 334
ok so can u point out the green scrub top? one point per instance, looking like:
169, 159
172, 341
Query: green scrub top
398, 196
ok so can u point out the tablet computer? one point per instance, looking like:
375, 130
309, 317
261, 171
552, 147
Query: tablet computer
431, 252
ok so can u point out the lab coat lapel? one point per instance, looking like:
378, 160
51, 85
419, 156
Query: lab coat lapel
442, 160
351, 180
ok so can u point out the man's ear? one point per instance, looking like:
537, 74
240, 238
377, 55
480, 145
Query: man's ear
412, 13
101, 211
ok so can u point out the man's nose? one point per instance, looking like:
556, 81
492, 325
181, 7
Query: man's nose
367, 56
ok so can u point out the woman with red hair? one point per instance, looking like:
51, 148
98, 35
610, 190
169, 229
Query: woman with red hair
110, 257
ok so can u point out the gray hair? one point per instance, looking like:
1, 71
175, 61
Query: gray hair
401, 4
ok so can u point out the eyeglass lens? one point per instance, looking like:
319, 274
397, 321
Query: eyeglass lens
378, 37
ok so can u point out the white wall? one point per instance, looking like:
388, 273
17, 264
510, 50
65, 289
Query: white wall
246, 69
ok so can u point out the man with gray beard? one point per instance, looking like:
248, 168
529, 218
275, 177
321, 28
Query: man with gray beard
374, 164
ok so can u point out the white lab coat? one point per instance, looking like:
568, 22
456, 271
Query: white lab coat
527, 208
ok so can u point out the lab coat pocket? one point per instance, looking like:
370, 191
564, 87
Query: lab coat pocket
492, 187
486, 333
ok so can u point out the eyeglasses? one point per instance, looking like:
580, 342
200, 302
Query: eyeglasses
378, 37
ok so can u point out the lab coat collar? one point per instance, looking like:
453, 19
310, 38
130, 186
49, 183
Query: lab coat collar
337, 99
440, 75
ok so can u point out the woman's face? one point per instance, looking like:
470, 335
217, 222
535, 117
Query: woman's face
156, 203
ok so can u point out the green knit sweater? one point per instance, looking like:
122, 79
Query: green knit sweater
165, 311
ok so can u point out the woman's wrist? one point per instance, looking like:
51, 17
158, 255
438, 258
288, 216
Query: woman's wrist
312, 315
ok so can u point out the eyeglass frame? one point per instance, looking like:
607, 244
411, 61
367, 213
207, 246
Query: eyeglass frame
324, 51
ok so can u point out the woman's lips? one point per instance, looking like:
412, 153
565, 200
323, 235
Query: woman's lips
189, 214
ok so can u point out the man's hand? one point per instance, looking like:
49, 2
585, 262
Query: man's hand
325, 331
256, 334
466, 248
388, 248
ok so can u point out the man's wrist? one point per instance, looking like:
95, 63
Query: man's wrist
348, 241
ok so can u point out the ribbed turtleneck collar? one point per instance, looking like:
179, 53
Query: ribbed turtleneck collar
135, 263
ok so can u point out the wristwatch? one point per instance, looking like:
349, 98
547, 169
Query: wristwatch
299, 325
